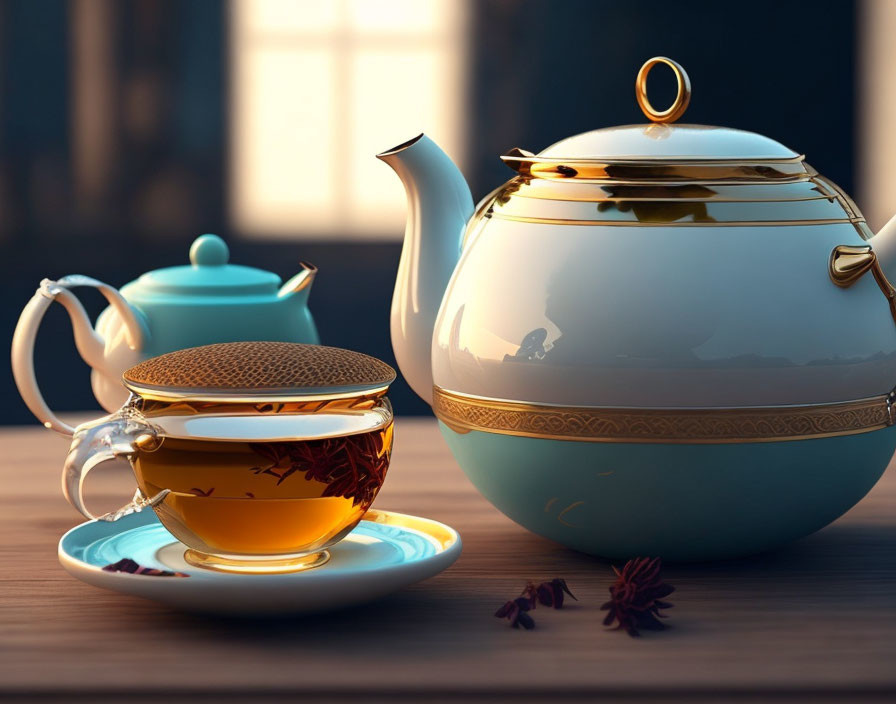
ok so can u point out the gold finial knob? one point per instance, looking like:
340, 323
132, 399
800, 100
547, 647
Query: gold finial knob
676, 110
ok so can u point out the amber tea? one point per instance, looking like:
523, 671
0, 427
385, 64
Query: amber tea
261, 498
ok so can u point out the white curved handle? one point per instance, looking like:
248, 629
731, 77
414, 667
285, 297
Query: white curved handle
89, 344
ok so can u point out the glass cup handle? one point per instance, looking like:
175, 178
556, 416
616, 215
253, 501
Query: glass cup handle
118, 436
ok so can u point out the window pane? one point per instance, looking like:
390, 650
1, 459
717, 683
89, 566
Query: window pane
395, 95
420, 16
281, 16
283, 138
319, 88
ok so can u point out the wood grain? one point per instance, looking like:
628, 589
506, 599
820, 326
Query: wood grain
815, 621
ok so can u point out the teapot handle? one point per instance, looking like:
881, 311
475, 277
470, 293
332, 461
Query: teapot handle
90, 345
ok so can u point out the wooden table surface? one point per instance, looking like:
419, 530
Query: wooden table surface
815, 621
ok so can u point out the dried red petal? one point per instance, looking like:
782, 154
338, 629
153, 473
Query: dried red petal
202, 492
530, 593
546, 595
525, 620
125, 564
515, 612
551, 593
506, 609
347, 466
131, 567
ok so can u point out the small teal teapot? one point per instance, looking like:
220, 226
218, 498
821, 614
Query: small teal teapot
207, 302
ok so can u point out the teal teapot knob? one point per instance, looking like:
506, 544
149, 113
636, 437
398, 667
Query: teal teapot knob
209, 250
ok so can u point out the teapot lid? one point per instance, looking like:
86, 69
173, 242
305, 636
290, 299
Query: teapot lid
208, 274
662, 151
667, 142
258, 372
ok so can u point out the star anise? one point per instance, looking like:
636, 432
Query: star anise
515, 612
636, 596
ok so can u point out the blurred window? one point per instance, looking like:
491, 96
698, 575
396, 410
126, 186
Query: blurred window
319, 88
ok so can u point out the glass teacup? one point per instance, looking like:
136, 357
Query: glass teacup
250, 480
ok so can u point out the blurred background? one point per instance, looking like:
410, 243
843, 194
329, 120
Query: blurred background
129, 127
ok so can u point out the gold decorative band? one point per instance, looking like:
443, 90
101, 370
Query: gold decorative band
463, 413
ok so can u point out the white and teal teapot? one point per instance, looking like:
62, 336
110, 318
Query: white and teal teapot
661, 339
205, 302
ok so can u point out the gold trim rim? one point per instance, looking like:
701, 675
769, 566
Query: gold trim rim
493, 204
675, 223
233, 396
463, 413
659, 171
670, 199
521, 155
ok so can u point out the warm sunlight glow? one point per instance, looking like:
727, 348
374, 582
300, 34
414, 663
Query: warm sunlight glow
319, 89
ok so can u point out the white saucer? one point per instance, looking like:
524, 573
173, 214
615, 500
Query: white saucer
385, 552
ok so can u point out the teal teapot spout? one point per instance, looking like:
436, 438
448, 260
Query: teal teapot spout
298, 288
204, 302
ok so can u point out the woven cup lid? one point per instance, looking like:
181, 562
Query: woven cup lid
240, 371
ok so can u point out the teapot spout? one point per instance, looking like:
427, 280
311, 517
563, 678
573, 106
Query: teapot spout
439, 206
300, 282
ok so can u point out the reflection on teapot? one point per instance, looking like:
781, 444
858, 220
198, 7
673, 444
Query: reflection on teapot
659, 212
177, 307
532, 347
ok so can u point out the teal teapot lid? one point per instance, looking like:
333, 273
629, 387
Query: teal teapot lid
208, 274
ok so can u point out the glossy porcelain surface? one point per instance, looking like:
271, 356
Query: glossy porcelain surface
692, 309
681, 502
202, 303
385, 552
207, 301
632, 295
442, 204
660, 317
678, 141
